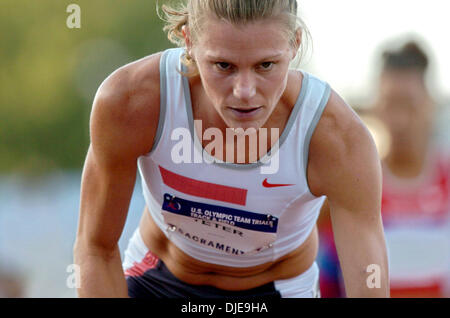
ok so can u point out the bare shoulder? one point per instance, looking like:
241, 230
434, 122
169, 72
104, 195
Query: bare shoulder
125, 111
343, 157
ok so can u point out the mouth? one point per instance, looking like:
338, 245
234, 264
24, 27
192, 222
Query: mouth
245, 112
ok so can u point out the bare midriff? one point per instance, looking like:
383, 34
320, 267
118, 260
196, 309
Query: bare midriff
195, 272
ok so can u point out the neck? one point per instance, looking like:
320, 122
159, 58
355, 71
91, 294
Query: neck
408, 163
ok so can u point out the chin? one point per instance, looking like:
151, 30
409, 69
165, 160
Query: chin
235, 124
246, 129
255, 123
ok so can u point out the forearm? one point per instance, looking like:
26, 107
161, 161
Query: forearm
364, 264
101, 275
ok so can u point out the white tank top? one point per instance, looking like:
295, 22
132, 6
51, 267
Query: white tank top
225, 213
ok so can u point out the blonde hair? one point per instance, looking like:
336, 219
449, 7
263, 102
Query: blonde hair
192, 13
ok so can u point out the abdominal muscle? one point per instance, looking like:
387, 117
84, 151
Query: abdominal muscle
195, 272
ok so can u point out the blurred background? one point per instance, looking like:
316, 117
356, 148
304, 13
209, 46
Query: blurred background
49, 74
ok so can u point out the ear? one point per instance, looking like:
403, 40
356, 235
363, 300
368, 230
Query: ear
298, 39
187, 37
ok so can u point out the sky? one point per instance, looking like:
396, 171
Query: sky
347, 35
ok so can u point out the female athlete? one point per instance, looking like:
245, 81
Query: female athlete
226, 219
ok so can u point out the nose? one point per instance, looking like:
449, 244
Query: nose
244, 86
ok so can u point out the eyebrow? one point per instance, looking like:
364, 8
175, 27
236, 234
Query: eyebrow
220, 58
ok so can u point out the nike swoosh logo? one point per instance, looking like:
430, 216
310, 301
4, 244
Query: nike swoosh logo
268, 185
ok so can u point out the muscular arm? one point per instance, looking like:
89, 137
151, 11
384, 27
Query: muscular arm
121, 129
344, 166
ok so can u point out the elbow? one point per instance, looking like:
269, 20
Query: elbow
85, 247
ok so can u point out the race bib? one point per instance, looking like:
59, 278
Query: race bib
225, 229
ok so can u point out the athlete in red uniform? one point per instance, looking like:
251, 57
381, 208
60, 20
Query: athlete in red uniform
416, 180
416, 187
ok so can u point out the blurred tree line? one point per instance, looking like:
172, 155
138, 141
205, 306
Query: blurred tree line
49, 74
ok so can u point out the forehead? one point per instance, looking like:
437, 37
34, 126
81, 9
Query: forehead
402, 83
258, 39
